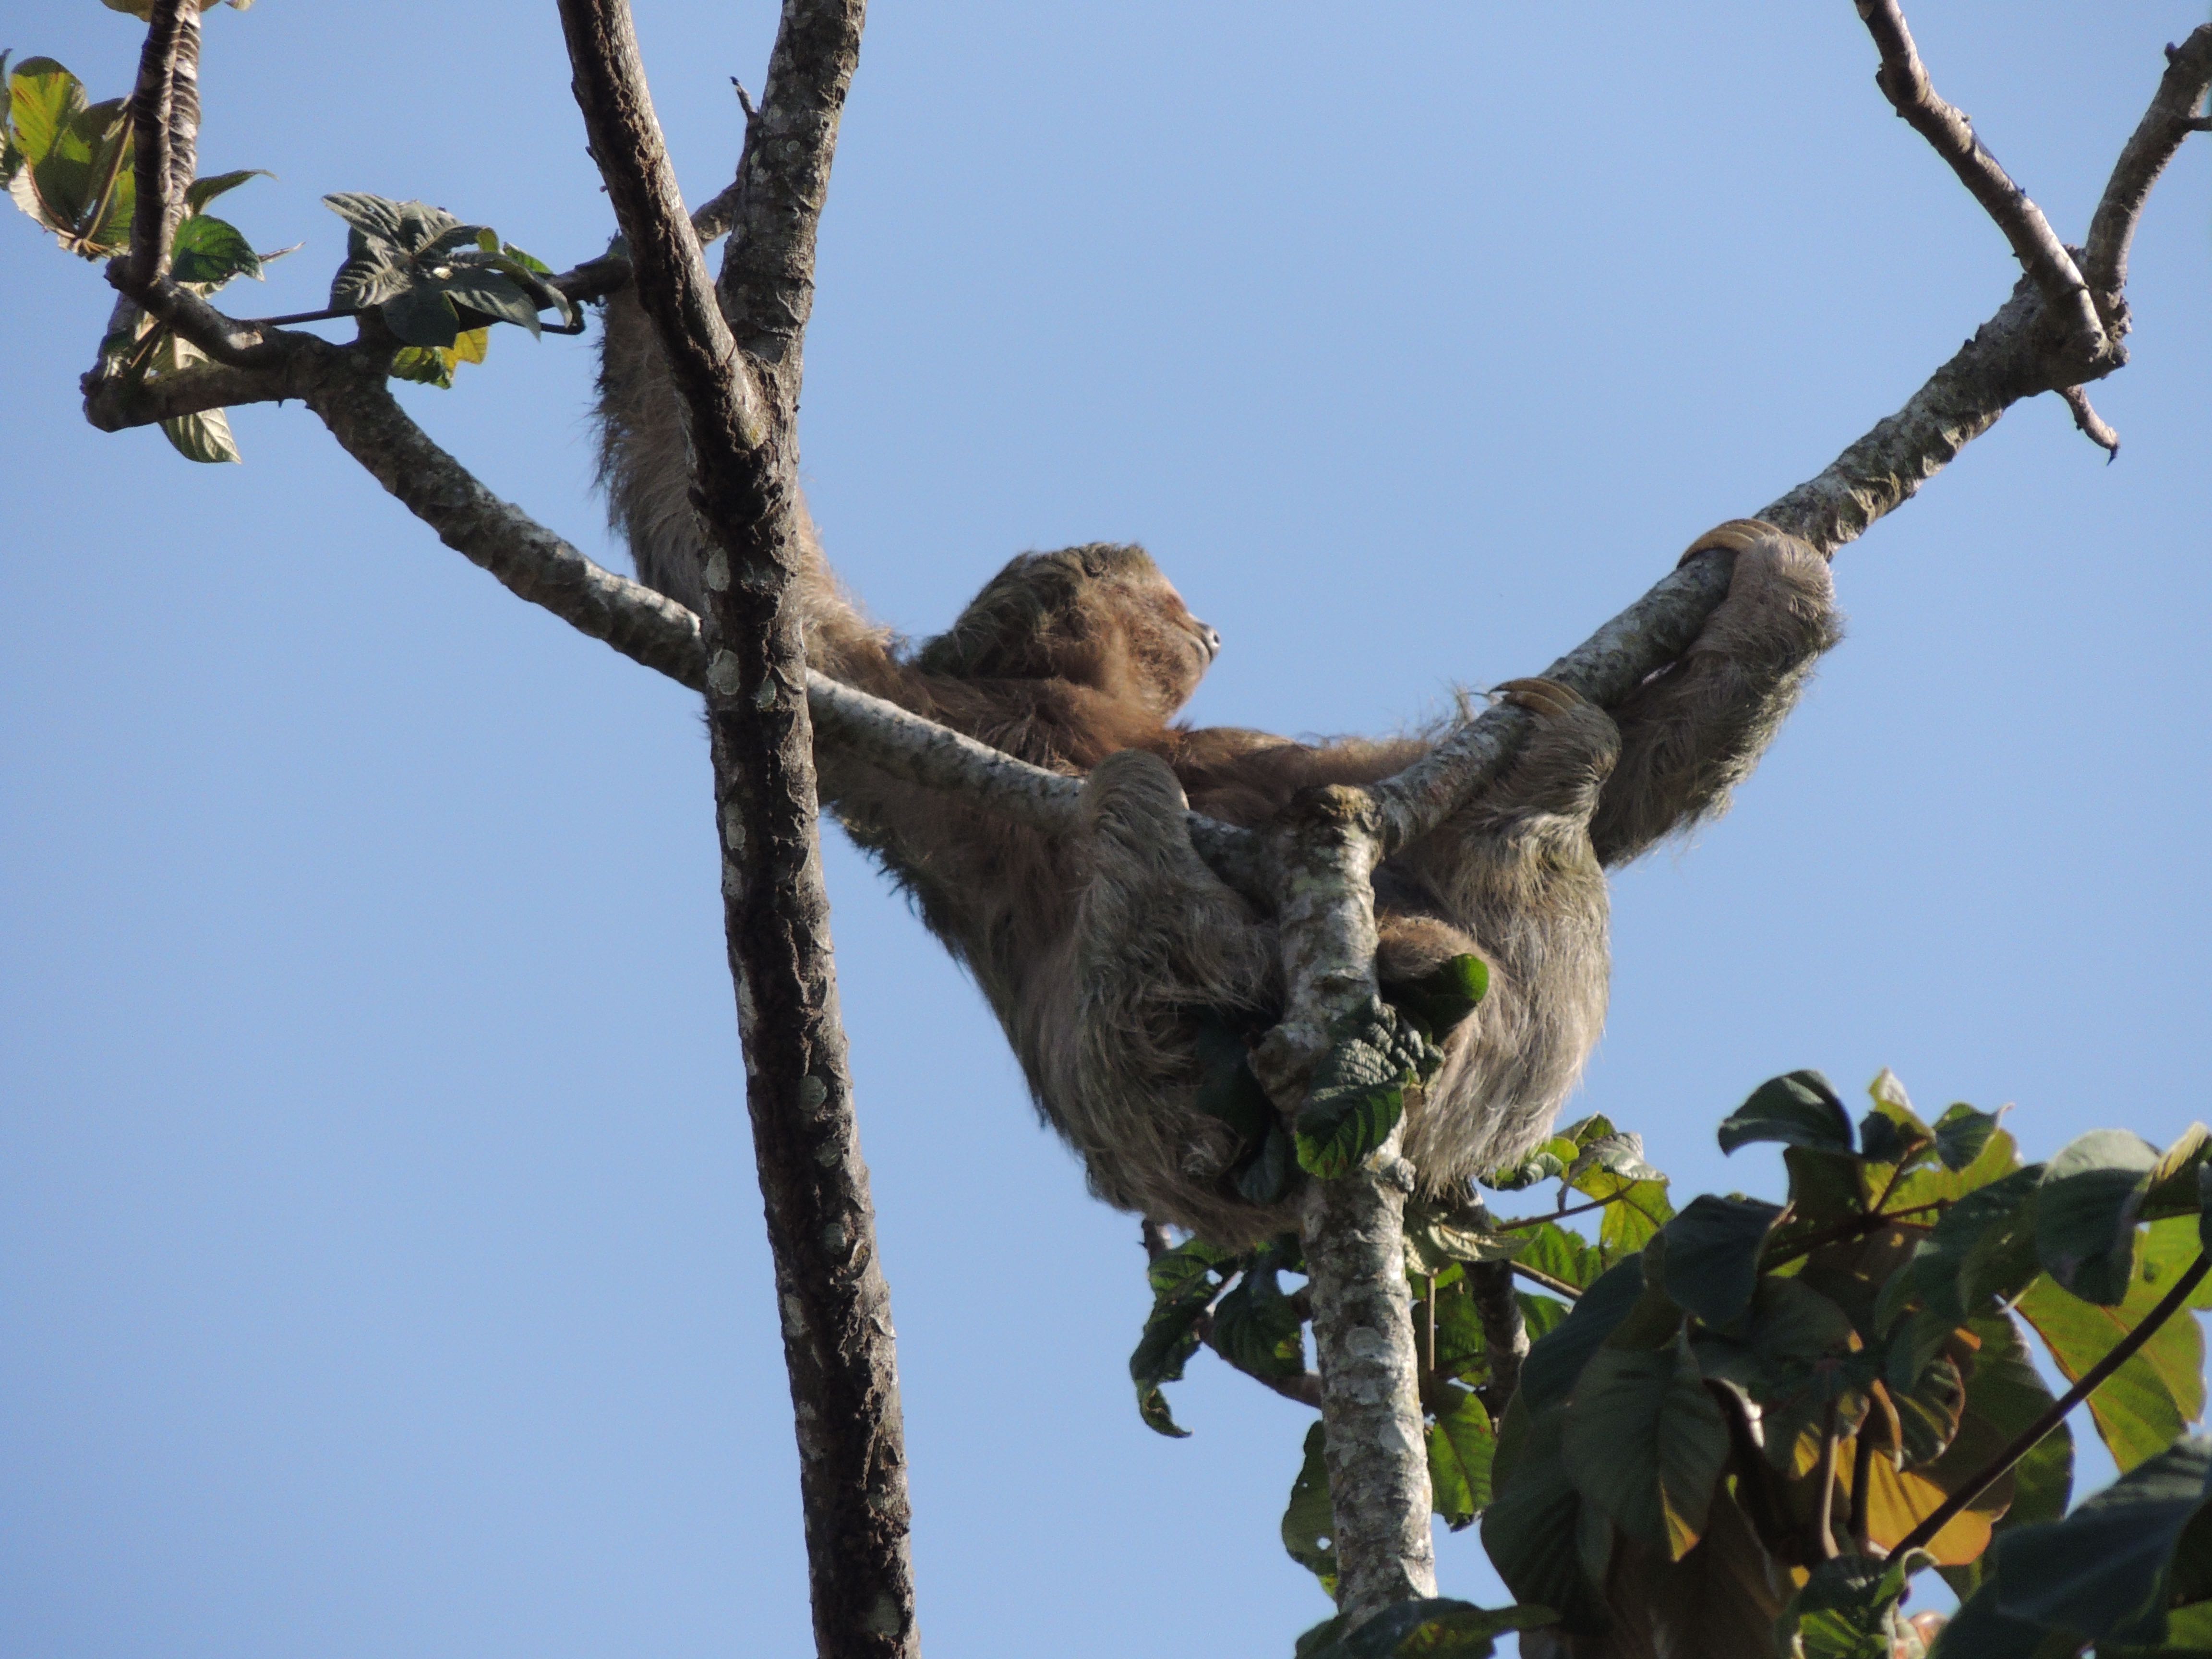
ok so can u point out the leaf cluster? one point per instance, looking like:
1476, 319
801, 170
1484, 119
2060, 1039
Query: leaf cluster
433, 281
1812, 1383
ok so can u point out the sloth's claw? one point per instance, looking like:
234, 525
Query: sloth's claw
1547, 700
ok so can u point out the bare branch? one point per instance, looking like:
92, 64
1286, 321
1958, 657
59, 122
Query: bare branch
114, 403
2165, 126
1903, 81
528, 559
783, 178
2092, 424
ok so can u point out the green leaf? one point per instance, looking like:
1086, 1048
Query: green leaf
1982, 1249
1265, 1177
1255, 1328
1439, 1233
420, 316
209, 252
1183, 1282
1548, 1375
204, 437
1531, 1530
1438, 1001
1962, 1134
1712, 1255
1645, 1443
43, 99
2170, 1185
1798, 1109
1892, 1132
1357, 1092
2085, 1213
372, 215
1560, 1252
2096, 1572
1309, 1524
1461, 1446
492, 294
1848, 1608
201, 192
2143, 1406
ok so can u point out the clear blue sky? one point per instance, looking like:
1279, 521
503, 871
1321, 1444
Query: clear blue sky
380, 1264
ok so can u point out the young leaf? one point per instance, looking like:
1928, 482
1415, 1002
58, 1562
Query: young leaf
204, 437
1645, 1443
1798, 1109
209, 252
1358, 1091
1848, 1609
2085, 1213
2170, 1188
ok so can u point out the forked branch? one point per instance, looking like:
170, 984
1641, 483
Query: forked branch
1903, 81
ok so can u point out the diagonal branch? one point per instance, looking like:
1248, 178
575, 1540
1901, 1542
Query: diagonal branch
2166, 125
1903, 81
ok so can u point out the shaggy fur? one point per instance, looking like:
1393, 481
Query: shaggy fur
1099, 951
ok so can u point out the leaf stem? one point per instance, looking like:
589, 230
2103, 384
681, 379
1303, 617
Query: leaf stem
1824, 1513
1843, 1229
1559, 1215
1556, 1286
1862, 1472
2029, 1438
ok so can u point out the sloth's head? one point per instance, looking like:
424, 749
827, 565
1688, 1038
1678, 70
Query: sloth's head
1100, 615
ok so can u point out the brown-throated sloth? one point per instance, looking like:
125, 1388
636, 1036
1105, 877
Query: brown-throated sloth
1117, 963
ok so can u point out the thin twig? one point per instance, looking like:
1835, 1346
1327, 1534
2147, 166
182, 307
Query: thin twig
2029, 1438
1903, 81
1537, 1276
1557, 1215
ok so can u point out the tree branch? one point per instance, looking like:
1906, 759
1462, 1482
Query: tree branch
1324, 855
741, 407
2157, 138
1903, 81
164, 119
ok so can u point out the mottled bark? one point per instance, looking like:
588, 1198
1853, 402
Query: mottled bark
1324, 853
740, 396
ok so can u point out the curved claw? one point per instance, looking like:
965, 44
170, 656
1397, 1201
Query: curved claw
1547, 700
